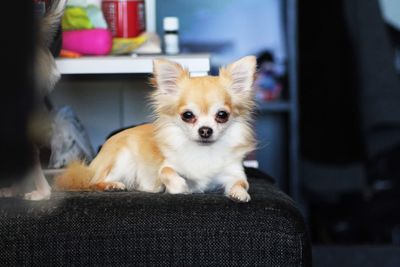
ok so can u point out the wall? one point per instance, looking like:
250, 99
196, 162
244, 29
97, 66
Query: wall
104, 103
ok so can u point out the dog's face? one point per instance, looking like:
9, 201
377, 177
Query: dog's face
204, 108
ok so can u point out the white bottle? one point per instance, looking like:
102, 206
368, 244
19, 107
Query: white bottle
171, 36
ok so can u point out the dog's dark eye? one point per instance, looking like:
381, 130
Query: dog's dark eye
222, 116
188, 116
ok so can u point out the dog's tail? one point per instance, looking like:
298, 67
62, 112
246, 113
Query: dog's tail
51, 20
76, 177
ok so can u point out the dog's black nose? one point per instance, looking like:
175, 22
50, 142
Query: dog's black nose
205, 132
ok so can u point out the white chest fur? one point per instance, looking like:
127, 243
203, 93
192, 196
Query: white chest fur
199, 162
202, 165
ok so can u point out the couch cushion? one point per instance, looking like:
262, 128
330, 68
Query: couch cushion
135, 228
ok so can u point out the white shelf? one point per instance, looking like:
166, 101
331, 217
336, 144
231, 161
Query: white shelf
197, 64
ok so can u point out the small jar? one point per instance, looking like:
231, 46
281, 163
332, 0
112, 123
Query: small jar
171, 35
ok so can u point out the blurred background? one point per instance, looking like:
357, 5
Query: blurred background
328, 113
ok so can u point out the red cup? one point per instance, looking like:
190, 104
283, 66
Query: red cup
125, 18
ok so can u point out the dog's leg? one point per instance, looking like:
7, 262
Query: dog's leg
238, 191
174, 184
235, 182
43, 190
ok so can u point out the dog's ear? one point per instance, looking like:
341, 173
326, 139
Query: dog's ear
240, 74
166, 75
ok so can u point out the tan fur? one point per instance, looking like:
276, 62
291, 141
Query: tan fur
127, 139
238, 192
102, 186
167, 171
80, 177
204, 91
167, 175
108, 186
242, 183
75, 178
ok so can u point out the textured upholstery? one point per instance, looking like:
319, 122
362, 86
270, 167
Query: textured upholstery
133, 228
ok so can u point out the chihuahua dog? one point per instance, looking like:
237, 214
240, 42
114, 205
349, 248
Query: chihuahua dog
201, 134
46, 76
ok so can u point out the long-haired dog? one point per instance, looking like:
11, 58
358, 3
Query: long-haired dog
46, 76
200, 136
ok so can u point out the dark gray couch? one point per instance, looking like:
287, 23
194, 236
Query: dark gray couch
133, 228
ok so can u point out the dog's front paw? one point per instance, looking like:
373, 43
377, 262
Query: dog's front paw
239, 194
177, 186
37, 195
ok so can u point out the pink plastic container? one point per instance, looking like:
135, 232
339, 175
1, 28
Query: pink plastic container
88, 42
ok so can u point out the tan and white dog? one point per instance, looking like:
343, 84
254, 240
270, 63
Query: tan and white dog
201, 134
46, 76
